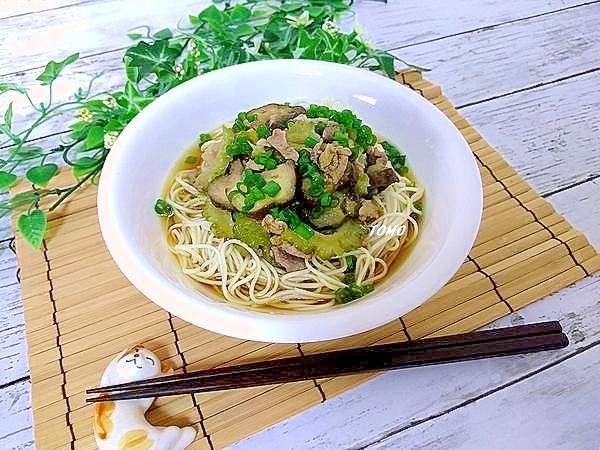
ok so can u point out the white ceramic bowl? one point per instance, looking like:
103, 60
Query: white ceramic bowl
135, 172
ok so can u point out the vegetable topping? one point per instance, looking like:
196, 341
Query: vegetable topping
295, 183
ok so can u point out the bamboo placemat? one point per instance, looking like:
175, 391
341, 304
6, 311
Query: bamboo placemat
80, 311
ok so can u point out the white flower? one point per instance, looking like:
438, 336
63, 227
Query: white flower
110, 102
330, 27
361, 34
179, 71
303, 20
85, 115
110, 138
192, 48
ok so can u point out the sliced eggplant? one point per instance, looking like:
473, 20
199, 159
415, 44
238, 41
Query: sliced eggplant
275, 115
223, 185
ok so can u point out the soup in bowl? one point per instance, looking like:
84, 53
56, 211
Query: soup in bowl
289, 201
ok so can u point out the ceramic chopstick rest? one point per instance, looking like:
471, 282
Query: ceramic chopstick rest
122, 424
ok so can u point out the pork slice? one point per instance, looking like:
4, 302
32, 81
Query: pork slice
289, 262
280, 143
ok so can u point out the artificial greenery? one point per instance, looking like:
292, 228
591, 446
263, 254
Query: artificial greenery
221, 35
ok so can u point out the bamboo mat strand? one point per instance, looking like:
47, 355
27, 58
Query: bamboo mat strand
80, 311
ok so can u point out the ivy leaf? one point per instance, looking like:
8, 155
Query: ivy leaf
41, 175
7, 179
21, 200
8, 114
33, 227
53, 69
240, 13
163, 34
5, 87
243, 30
150, 57
84, 165
211, 15
26, 152
95, 137
113, 125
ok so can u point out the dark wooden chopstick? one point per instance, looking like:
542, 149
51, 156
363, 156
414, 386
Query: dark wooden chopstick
481, 344
453, 340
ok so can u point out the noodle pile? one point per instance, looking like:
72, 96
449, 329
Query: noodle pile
244, 278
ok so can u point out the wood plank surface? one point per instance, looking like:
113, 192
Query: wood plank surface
412, 398
467, 302
512, 56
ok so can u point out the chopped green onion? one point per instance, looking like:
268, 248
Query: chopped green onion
267, 159
254, 195
320, 127
162, 208
311, 112
324, 112
350, 263
311, 141
341, 138
262, 130
291, 218
204, 137
191, 159
251, 117
271, 189
365, 136
304, 231
309, 169
252, 179
326, 199
253, 188
239, 147
315, 189
397, 159
345, 118
233, 193
352, 292
239, 125
356, 151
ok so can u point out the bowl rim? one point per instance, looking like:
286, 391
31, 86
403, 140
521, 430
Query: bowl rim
267, 327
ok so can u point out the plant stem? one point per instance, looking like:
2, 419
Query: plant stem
70, 190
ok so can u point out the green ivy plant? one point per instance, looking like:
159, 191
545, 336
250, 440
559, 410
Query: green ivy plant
221, 35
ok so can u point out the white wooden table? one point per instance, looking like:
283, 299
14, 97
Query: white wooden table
526, 74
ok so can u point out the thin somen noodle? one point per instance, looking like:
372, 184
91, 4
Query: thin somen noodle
245, 277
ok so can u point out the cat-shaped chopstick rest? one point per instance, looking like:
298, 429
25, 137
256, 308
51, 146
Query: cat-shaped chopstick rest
122, 424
